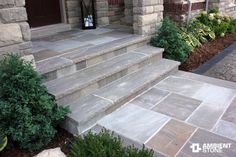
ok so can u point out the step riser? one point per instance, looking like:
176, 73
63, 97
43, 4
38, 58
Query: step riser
75, 128
101, 82
68, 70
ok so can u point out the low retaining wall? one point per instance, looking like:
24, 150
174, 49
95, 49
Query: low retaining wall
15, 33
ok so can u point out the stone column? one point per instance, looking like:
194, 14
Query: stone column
147, 16
73, 13
102, 12
129, 12
15, 33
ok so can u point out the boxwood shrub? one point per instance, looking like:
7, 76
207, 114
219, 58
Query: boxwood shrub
104, 144
169, 37
28, 114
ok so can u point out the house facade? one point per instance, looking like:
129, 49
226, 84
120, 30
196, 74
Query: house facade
18, 18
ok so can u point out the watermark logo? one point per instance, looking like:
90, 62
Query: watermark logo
210, 147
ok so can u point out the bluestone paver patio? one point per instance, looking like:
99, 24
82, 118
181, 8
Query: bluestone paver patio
175, 113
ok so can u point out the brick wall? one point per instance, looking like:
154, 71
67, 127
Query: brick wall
178, 9
15, 33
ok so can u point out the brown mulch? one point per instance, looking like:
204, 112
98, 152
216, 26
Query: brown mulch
62, 140
205, 52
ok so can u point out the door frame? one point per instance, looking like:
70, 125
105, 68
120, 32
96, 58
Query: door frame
63, 11
63, 14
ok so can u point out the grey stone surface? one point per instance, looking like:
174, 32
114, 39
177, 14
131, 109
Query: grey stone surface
150, 98
226, 129
11, 15
134, 122
79, 80
204, 137
206, 116
153, 73
206, 79
25, 29
171, 138
230, 114
10, 34
198, 90
87, 111
52, 64
44, 54
180, 85
177, 106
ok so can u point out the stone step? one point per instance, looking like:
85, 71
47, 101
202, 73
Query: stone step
44, 31
78, 59
88, 110
84, 82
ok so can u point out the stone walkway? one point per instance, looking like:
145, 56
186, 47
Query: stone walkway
221, 68
177, 113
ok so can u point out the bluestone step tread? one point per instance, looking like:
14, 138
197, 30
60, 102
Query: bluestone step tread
80, 55
69, 84
103, 101
52, 64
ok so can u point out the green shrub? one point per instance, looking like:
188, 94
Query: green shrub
28, 114
104, 144
169, 37
232, 26
3, 141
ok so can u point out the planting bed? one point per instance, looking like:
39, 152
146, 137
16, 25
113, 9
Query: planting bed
205, 52
62, 140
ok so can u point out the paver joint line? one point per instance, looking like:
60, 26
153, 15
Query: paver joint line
103, 98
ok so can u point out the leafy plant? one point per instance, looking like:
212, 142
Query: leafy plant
202, 32
216, 22
169, 37
104, 144
3, 141
190, 39
28, 114
232, 26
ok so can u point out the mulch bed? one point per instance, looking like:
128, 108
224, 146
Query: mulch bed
205, 52
62, 140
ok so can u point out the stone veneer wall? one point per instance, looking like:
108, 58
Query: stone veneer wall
178, 9
116, 13
147, 16
73, 13
227, 7
128, 12
15, 33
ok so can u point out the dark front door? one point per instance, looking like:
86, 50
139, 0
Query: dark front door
43, 12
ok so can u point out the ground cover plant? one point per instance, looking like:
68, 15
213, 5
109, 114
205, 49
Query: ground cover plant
104, 144
28, 114
180, 41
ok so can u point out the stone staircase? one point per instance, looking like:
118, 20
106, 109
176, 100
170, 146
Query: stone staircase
95, 81
126, 87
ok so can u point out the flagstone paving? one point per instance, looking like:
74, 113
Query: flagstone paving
171, 137
176, 113
61, 43
177, 106
204, 137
